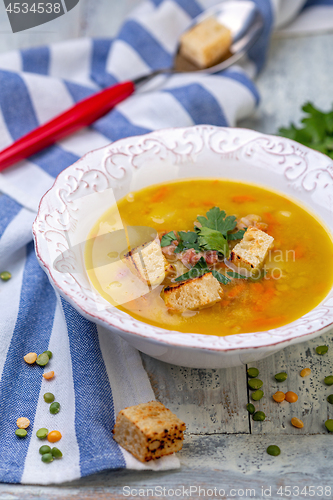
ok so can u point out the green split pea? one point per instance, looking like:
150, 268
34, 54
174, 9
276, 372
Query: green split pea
42, 359
5, 276
273, 450
322, 349
21, 433
281, 377
259, 416
257, 395
252, 372
255, 383
42, 433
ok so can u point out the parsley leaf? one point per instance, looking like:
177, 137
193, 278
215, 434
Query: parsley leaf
237, 276
220, 277
200, 269
168, 238
237, 236
210, 239
213, 233
217, 220
188, 239
317, 130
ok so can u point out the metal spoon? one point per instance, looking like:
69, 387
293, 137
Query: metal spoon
246, 24
241, 17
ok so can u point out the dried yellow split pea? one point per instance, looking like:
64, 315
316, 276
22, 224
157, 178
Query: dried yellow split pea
48, 375
296, 422
30, 358
22, 423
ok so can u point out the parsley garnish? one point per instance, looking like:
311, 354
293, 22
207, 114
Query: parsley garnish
237, 276
213, 235
188, 239
215, 229
200, 269
237, 236
317, 132
217, 220
168, 238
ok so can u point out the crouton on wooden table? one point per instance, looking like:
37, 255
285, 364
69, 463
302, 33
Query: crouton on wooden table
149, 431
206, 43
251, 252
148, 263
193, 294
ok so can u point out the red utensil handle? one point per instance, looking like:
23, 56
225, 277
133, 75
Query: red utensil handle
80, 115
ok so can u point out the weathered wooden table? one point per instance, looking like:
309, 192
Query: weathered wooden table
224, 451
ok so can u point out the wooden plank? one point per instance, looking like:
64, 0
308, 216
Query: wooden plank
311, 407
209, 401
226, 462
286, 83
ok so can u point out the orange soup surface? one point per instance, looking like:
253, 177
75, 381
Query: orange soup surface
298, 270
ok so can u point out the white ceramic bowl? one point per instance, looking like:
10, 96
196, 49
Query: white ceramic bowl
66, 216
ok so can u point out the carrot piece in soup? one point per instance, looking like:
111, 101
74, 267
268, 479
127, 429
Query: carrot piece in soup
299, 252
257, 288
268, 322
236, 290
271, 219
160, 194
266, 297
242, 198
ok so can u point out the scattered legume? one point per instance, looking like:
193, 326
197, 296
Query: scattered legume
42, 359
329, 380
291, 397
250, 408
279, 396
47, 458
252, 372
281, 377
49, 353
21, 433
257, 395
56, 453
305, 372
255, 383
48, 375
5, 276
22, 423
296, 422
42, 433
273, 450
322, 349
30, 358
54, 408
259, 416
54, 436
48, 397
44, 449
330, 399
329, 425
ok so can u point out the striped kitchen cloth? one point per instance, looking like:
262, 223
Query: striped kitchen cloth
97, 374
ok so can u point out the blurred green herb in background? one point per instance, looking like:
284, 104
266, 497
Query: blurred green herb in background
317, 132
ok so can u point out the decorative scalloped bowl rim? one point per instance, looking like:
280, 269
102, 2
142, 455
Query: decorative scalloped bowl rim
305, 173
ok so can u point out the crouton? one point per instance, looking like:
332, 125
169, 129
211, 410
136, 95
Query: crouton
206, 43
193, 294
148, 263
251, 252
149, 431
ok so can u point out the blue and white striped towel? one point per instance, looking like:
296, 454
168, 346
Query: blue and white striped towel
96, 374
